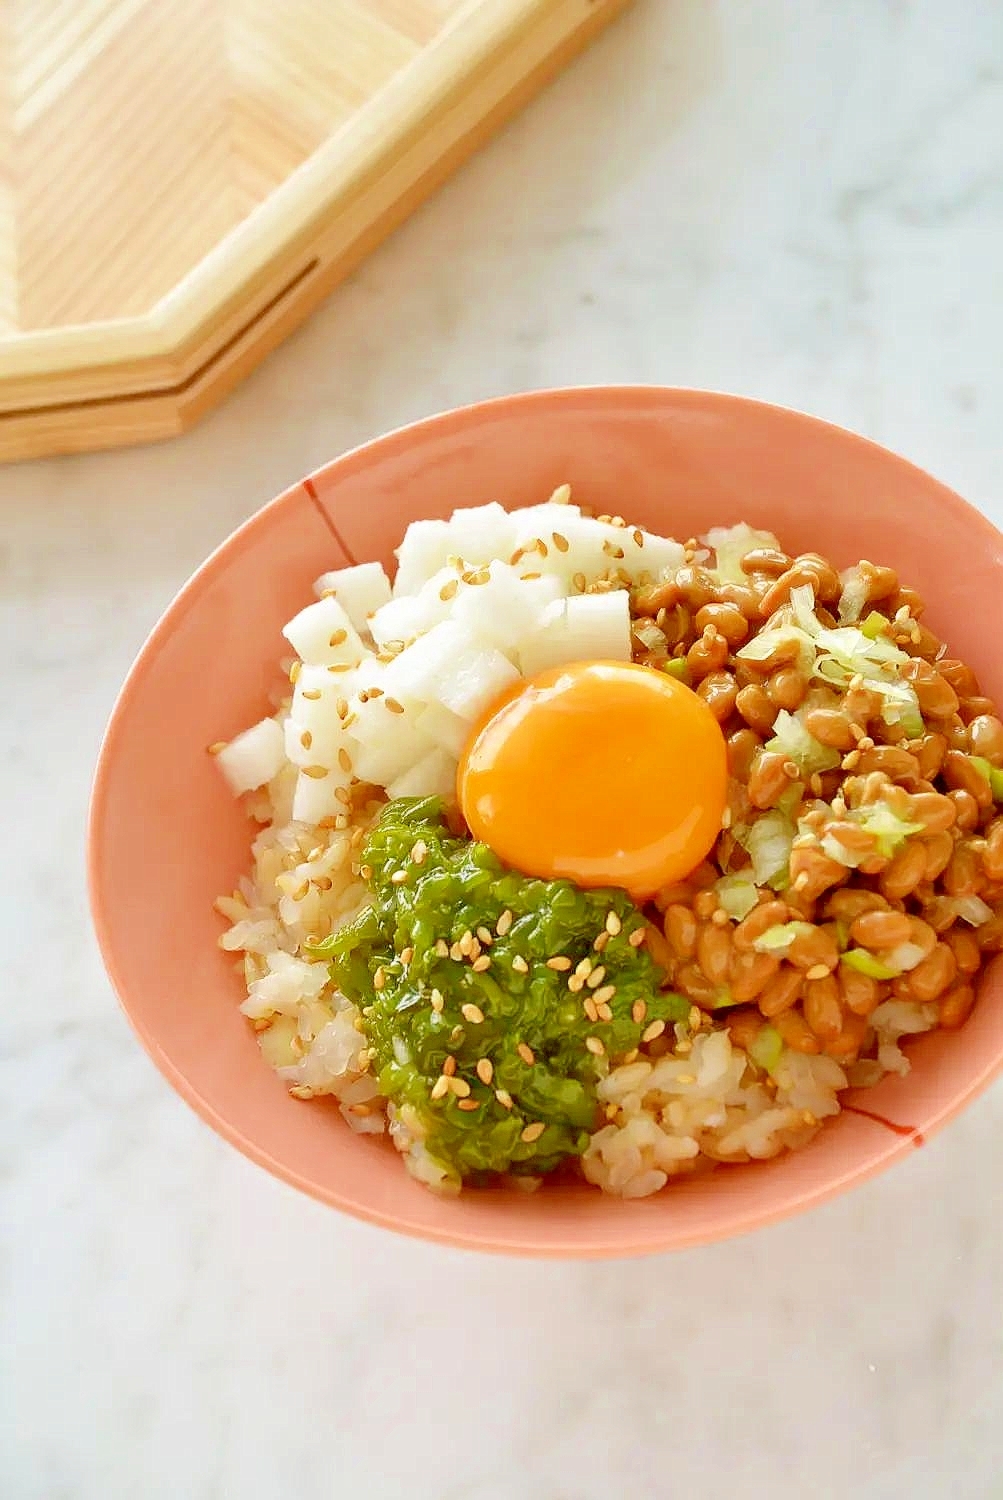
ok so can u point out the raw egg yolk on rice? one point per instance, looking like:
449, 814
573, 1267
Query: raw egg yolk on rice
605, 773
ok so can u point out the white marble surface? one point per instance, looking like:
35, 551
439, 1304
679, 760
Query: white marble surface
802, 202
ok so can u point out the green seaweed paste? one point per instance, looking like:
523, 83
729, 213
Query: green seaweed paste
493, 1003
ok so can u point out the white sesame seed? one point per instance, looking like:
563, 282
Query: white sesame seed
605, 995
503, 923
526, 1053
485, 1069
637, 937
638, 1011
596, 978
533, 1132
440, 1087
449, 1066
481, 963
472, 1013
595, 1046
613, 923
559, 963
520, 965
438, 1002
651, 1032
504, 1098
460, 1087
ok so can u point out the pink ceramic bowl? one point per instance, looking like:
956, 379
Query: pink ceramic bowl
166, 836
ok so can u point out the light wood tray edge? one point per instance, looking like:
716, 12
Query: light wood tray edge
141, 378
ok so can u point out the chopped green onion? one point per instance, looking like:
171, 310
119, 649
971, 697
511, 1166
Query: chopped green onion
677, 666
766, 1049
778, 940
768, 842
866, 963
722, 1000
737, 895
992, 773
792, 739
874, 625
731, 544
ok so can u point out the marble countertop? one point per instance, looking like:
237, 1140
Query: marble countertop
798, 202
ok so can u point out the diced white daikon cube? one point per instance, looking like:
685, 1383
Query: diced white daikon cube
656, 555
424, 549
432, 776
387, 743
548, 644
599, 626
296, 751
581, 545
316, 698
317, 738
532, 521
444, 728
412, 614
323, 635
588, 627
574, 546
360, 590
507, 608
317, 797
254, 757
482, 533
416, 671
474, 682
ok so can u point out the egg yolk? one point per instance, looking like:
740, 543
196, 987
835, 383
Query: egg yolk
604, 772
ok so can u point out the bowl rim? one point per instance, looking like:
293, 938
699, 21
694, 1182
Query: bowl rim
740, 1221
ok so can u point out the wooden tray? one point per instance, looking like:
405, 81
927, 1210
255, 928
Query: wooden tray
182, 181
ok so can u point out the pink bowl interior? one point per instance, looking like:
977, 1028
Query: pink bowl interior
166, 837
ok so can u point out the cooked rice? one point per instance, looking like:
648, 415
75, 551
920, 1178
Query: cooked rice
675, 1114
